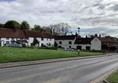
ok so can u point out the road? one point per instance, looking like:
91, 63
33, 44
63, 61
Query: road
75, 71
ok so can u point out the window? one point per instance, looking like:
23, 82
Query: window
69, 46
60, 42
7, 42
59, 47
42, 45
79, 47
70, 42
42, 38
7, 38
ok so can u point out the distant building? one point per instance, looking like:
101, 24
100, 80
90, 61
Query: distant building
96, 43
87, 43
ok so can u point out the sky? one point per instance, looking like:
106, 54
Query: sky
92, 16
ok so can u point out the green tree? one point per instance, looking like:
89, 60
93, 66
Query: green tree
24, 25
37, 28
12, 24
47, 29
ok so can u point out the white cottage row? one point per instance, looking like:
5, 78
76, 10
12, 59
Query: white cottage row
25, 37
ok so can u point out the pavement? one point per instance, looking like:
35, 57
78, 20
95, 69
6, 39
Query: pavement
83, 70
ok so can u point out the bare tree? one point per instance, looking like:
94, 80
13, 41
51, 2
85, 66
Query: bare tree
60, 29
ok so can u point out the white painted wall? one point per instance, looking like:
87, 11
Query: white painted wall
96, 44
65, 43
30, 40
7, 40
84, 46
45, 41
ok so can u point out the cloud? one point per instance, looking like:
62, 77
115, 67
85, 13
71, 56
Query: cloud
35, 11
99, 30
6, 0
82, 13
114, 8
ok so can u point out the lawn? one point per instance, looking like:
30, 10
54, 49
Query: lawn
9, 54
113, 78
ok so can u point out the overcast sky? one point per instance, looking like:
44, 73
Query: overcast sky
91, 16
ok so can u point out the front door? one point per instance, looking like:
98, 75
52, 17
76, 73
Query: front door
79, 47
87, 47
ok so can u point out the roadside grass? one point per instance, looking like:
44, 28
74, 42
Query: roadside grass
113, 78
9, 54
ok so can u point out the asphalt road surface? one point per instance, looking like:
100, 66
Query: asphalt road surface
75, 71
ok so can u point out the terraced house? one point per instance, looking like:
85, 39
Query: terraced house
10, 37
20, 38
65, 41
97, 43
43, 38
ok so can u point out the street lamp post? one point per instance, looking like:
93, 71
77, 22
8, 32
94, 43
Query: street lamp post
79, 31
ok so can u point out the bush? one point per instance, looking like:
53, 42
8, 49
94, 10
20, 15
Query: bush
35, 41
23, 45
91, 51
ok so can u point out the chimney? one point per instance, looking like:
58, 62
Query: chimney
86, 37
96, 35
99, 35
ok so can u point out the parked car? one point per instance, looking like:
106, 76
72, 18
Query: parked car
69, 49
14, 45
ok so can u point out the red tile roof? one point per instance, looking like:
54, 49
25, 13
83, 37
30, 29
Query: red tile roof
47, 35
11, 33
83, 40
108, 40
14, 33
68, 37
29, 33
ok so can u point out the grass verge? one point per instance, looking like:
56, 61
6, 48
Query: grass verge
9, 54
113, 78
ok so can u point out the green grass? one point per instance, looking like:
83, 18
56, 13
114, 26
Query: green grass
9, 54
113, 78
